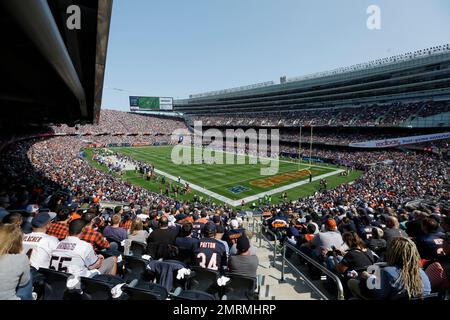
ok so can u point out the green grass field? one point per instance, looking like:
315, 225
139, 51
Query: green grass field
233, 181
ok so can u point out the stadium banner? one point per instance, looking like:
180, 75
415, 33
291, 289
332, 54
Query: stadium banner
151, 103
389, 143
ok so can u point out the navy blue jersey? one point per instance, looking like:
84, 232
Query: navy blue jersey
210, 254
186, 243
197, 229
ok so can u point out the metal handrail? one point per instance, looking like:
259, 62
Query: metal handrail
274, 245
329, 273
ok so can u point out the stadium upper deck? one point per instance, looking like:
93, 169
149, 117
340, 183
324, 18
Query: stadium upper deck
421, 75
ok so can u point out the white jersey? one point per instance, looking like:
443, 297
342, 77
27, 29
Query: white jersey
74, 256
38, 247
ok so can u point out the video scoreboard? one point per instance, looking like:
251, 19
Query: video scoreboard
151, 104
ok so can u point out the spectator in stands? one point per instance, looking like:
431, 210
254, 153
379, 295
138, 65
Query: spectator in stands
113, 232
184, 239
118, 210
414, 226
197, 227
60, 228
137, 232
38, 245
13, 218
430, 242
347, 225
439, 271
203, 217
234, 251
403, 275
244, 263
376, 243
357, 258
217, 219
146, 225
127, 221
220, 231
89, 234
79, 256
210, 253
309, 220
27, 216
15, 277
309, 236
234, 233
323, 242
393, 230
293, 233
153, 224
164, 234
402, 278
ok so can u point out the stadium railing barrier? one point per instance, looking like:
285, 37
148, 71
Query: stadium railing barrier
323, 269
273, 244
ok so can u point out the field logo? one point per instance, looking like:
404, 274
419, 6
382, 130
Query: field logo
374, 20
238, 189
276, 180
209, 146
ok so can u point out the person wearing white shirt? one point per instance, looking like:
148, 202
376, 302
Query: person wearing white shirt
78, 257
38, 245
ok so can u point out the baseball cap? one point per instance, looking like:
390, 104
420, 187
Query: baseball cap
42, 218
243, 244
32, 208
331, 224
209, 228
234, 224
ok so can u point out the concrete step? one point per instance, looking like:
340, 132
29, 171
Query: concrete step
292, 288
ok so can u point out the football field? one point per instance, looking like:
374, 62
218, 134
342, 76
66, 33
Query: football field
238, 179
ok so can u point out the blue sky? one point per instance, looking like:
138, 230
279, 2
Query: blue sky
174, 48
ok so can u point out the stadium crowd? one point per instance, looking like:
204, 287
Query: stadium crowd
122, 128
114, 122
50, 207
384, 115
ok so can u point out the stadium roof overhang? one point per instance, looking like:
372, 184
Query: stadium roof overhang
50, 72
